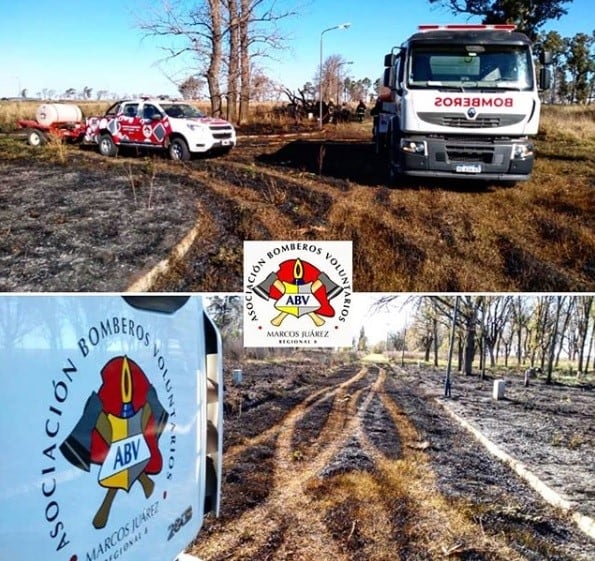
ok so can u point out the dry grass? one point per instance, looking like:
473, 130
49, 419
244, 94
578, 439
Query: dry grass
290, 507
575, 122
537, 236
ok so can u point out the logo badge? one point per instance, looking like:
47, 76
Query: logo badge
119, 430
297, 294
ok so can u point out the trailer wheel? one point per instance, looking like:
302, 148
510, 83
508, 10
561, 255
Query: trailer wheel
107, 146
178, 149
36, 137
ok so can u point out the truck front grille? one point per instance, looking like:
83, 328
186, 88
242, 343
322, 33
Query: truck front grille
460, 120
470, 154
221, 132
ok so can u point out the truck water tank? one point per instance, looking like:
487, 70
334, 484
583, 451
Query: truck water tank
49, 113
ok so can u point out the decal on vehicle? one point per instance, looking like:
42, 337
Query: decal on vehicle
119, 430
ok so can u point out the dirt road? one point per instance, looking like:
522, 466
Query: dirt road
355, 463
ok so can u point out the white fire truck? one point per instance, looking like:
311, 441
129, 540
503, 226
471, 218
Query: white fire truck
463, 103
111, 426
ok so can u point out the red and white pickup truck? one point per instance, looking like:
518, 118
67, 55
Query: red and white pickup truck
175, 126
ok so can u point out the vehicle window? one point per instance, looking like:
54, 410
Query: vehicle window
149, 111
454, 65
130, 109
113, 110
181, 111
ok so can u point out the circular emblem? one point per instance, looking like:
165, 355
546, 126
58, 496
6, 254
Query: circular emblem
471, 112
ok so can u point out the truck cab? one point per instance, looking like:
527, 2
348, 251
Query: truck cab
464, 103
111, 426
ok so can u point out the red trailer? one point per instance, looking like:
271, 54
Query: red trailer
61, 120
38, 133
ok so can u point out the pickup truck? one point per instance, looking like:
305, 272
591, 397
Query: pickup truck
175, 126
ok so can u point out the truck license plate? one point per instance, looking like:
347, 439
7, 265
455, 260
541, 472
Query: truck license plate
468, 168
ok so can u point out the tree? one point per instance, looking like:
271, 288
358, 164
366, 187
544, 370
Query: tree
190, 88
233, 66
222, 37
226, 312
362, 343
581, 66
528, 15
262, 88
584, 316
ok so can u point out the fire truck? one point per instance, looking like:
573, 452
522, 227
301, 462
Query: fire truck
111, 426
463, 103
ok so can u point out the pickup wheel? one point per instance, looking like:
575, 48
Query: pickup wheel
36, 137
107, 147
178, 149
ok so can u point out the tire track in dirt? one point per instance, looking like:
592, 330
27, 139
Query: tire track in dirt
294, 501
347, 479
287, 486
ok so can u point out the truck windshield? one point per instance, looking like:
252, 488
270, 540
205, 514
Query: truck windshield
181, 111
470, 67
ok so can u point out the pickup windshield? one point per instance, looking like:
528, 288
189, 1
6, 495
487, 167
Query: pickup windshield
470, 67
181, 111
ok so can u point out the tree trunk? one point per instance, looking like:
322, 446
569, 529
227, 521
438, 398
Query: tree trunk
554, 337
233, 67
585, 307
213, 70
469, 352
245, 70
435, 339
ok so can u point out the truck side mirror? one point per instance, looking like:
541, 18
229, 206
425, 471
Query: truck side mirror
388, 78
389, 59
545, 78
546, 57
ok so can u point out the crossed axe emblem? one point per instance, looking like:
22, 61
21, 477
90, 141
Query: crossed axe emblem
284, 293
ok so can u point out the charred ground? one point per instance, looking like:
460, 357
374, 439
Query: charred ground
72, 220
362, 462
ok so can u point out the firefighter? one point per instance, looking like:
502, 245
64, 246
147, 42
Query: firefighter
360, 110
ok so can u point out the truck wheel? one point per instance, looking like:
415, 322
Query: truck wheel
36, 137
107, 146
178, 149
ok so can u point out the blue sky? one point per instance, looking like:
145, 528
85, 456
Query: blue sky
58, 44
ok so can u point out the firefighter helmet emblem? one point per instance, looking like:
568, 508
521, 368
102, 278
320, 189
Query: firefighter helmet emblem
119, 431
298, 289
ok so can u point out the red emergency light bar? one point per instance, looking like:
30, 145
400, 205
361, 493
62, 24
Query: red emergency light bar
468, 26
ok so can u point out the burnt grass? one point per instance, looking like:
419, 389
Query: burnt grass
75, 221
473, 481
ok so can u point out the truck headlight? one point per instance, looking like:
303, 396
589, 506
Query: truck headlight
413, 146
521, 151
193, 126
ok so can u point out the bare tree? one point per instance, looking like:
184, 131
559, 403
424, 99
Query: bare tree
190, 88
584, 310
233, 66
223, 37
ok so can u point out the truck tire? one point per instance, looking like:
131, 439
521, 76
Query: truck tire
106, 145
178, 149
36, 137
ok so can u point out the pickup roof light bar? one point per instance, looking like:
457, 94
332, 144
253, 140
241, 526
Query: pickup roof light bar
468, 26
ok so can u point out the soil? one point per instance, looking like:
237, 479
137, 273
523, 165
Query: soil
72, 220
322, 461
